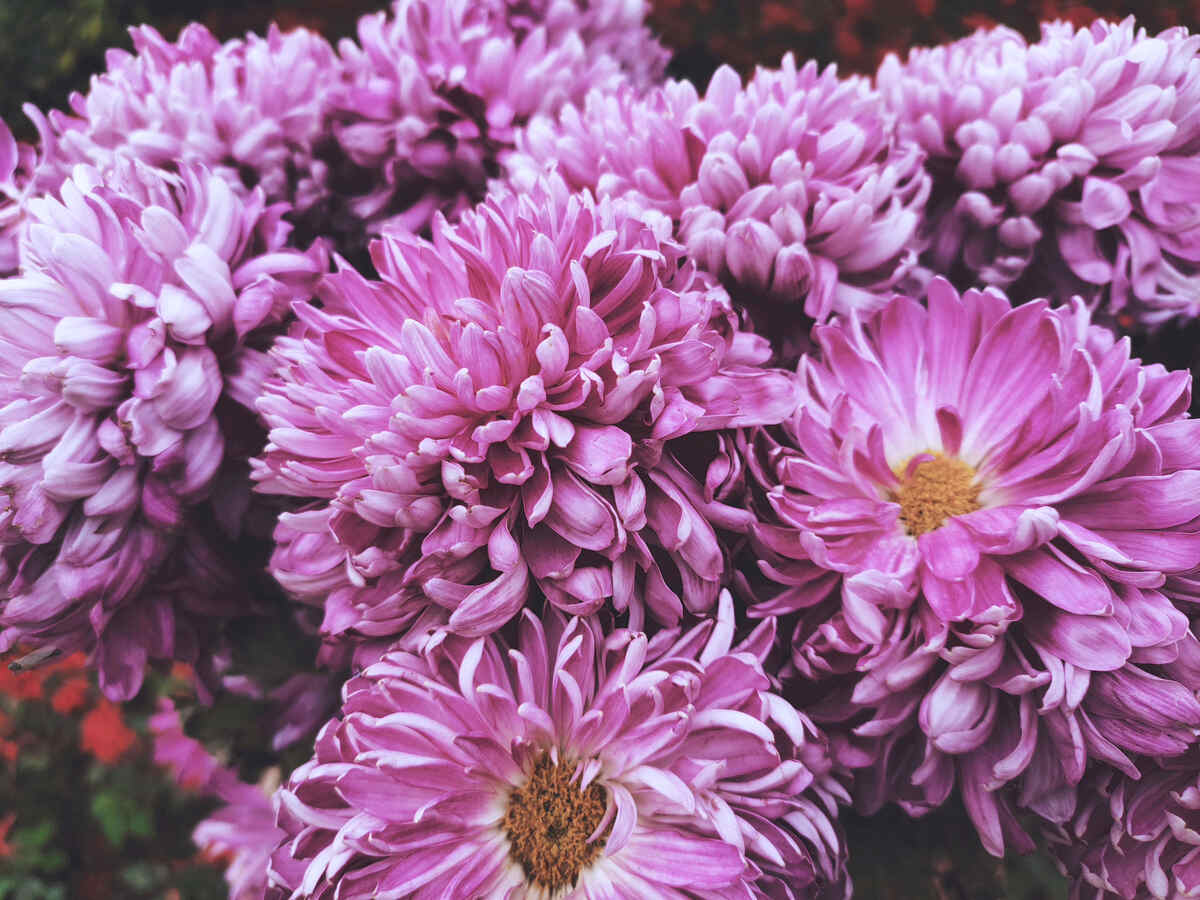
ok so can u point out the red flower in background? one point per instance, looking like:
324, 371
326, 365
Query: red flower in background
26, 685
70, 695
6, 849
103, 733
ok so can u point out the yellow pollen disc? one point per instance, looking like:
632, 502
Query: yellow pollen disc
548, 823
934, 490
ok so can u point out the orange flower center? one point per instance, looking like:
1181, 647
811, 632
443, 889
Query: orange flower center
934, 490
548, 823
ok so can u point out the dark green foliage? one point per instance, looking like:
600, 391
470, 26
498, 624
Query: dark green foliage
938, 857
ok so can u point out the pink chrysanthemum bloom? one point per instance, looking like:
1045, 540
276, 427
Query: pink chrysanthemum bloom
1135, 838
1069, 165
793, 188
984, 519
502, 411
242, 833
250, 110
18, 163
127, 343
575, 764
434, 91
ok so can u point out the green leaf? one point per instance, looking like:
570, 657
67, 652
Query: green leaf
35, 836
110, 810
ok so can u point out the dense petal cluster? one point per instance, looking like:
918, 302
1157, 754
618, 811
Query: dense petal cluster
575, 763
126, 344
503, 410
251, 110
433, 92
1064, 167
1136, 838
794, 188
986, 520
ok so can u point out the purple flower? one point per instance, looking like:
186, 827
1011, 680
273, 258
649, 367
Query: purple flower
123, 341
432, 93
1067, 166
243, 834
986, 520
243, 830
571, 763
505, 410
792, 188
1135, 838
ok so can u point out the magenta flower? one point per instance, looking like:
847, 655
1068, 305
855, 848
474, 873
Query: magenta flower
433, 93
504, 410
792, 188
243, 830
124, 340
1068, 166
984, 519
1135, 838
575, 764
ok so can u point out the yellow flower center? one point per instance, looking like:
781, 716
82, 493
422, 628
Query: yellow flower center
548, 823
934, 490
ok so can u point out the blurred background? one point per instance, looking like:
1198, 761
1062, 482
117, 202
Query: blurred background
84, 813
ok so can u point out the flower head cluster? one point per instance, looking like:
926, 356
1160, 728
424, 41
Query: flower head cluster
793, 188
132, 325
250, 110
499, 412
572, 763
1069, 165
985, 520
432, 93
1135, 838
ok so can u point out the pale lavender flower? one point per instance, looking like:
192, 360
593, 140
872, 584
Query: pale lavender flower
433, 92
571, 763
18, 163
985, 519
793, 189
502, 412
126, 344
242, 832
1069, 166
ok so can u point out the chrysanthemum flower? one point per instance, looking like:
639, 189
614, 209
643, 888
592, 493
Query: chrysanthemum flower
242, 833
983, 518
793, 189
1069, 165
501, 411
575, 764
249, 109
434, 91
141, 301
1135, 838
